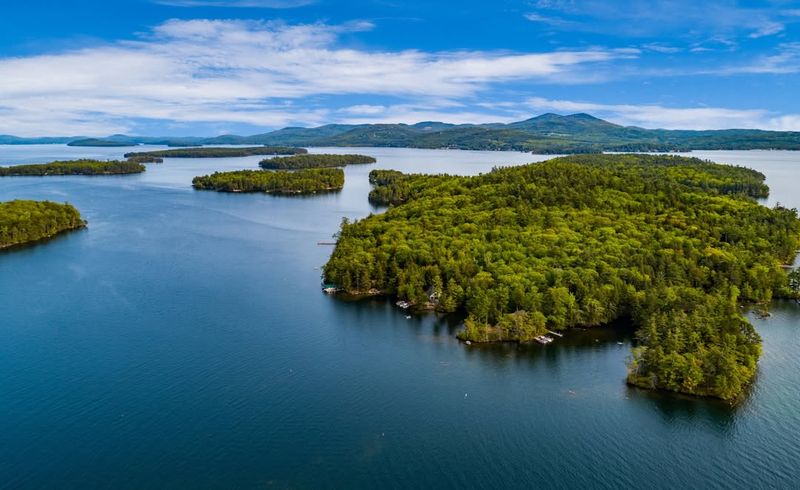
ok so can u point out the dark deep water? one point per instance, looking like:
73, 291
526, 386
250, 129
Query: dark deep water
182, 341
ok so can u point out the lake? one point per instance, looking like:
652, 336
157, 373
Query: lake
182, 340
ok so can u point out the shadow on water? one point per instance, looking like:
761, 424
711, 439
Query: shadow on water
672, 407
31, 246
297, 196
679, 408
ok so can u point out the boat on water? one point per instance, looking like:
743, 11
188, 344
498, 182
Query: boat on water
543, 339
404, 304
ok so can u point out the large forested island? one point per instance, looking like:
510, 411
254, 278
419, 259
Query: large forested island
29, 221
315, 160
307, 181
206, 152
673, 244
74, 167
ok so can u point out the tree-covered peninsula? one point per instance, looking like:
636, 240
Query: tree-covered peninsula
212, 152
74, 167
28, 221
145, 159
314, 161
672, 244
308, 181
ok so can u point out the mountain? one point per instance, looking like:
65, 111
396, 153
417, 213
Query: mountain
6, 139
547, 134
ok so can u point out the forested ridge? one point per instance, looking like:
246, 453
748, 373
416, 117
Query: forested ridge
212, 152
305, 181
315, 160
545, 134
673, 244
28, 221
74, 167
97, 142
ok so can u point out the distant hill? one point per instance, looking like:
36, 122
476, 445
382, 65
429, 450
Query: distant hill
97, 142
6, 139
546, 134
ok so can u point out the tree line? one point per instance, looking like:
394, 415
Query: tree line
305, 181
74, 167
218, 152
28, 221
314, 161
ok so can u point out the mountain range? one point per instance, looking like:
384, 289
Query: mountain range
547, 134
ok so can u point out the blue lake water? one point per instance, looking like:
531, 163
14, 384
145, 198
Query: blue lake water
182, 341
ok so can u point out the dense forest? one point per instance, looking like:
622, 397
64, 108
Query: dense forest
206, 152
74, 167
314, 161
28, 221
307, 181
671, 243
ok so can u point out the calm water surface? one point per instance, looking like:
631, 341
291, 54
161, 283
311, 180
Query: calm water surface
182, 341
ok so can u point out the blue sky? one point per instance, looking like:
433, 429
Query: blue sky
205, 67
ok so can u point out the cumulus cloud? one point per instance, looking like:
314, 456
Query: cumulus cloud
246, 71
657, 116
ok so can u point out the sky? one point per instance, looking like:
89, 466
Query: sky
208, 67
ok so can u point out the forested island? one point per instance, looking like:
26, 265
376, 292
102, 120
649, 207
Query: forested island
145, 159
307, 181
29, 221
97, 142
672, 244
74, 167
316, 160
206, 152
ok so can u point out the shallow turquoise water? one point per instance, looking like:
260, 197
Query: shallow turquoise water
182, 341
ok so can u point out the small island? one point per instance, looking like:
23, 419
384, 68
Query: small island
24, 222
674, 245
314, 161
218, 152
308, 181
74, 167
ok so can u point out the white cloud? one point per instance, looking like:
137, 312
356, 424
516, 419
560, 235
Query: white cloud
270, 4
243, 71
411, 114
786, 60
657, 116
648, 18
661, 48
365, 110
552, 21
